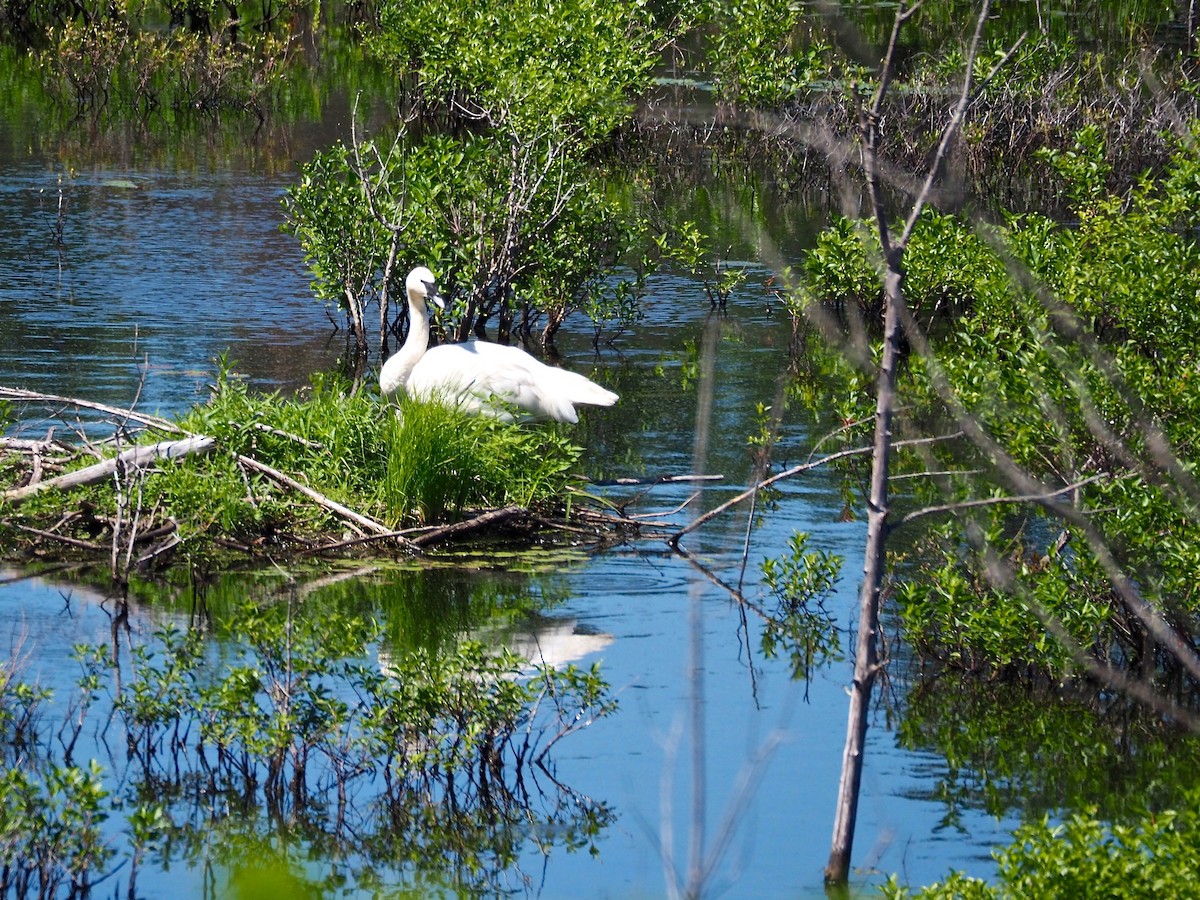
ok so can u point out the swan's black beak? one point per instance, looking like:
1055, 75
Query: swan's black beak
431, 292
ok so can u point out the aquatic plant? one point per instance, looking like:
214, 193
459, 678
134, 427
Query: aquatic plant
1148, 854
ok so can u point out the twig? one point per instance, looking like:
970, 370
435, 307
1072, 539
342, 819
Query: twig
638, 517
1041, 498
788, 473
38, 397
320, 499
61, 538
304, 442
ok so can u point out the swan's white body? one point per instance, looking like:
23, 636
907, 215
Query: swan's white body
481, 377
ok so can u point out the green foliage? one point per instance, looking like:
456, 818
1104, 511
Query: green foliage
214, 58
424, 463
393, 760
510, 209
50, 826
1063, 342
1151, 854
1083, 167
517, 232
799, 622
948, 267
342, 242
441, 461
763, 52
1027, 746
684, 244
570, 65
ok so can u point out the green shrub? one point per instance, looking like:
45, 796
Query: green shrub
1064, 343
1153, 854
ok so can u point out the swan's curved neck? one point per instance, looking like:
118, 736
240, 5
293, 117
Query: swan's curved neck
398, 369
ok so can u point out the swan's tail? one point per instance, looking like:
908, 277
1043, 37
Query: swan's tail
584, 390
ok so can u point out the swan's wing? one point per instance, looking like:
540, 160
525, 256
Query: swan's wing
486, 383
570, 386
492, 379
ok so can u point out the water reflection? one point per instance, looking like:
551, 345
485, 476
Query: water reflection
548, 640
134, 305
270, 726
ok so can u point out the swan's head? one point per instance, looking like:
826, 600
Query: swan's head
421, 286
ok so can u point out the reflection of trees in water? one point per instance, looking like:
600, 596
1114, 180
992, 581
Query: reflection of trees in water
1041, 747
465, 832
286, 732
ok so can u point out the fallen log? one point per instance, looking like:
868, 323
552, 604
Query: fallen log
131, 459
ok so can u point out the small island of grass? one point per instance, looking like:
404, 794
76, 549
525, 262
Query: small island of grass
329, 472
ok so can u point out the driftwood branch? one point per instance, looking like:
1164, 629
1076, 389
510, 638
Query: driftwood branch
8, 393
131, 459
34, 445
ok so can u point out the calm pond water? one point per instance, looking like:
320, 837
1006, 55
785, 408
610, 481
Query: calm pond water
164, 268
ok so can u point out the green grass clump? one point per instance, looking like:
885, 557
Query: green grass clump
420, 462
441, 461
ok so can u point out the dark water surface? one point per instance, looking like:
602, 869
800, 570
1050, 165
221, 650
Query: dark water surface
161, 270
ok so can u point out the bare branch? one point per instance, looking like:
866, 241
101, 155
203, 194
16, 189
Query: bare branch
129, 460
967, 97
1041, 499
117, 411
796, 470
320, 499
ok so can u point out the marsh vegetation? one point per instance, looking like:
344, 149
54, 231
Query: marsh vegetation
991, 350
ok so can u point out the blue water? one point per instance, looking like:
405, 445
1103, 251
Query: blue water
156, 280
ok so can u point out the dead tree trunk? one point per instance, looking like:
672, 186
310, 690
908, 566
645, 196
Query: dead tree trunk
866, 664
866, 659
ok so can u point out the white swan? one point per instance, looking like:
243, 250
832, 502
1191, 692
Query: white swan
478, 376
